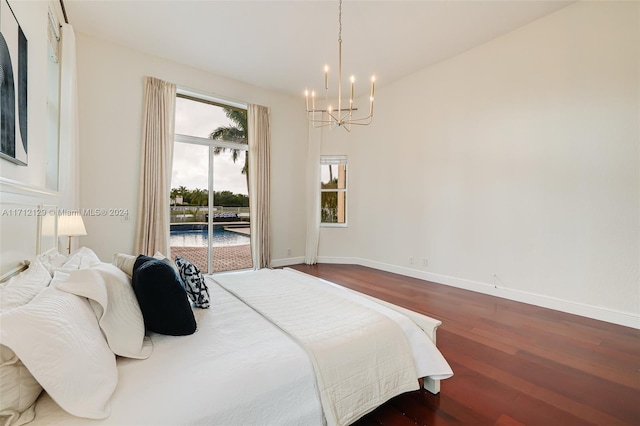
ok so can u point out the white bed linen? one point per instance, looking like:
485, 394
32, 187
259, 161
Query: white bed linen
427, 357
361, 357
254, 374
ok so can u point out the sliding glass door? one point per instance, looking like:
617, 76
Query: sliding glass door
210, 223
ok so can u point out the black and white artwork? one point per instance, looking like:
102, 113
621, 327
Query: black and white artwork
13, 87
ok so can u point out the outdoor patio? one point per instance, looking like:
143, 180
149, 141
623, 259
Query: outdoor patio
227, 258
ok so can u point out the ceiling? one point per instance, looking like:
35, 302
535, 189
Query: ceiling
284, 45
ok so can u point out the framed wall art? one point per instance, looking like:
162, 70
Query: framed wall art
13, 87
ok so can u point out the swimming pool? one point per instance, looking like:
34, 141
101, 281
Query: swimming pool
200, 238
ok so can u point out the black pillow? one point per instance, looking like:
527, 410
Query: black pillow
162, 298
140, 260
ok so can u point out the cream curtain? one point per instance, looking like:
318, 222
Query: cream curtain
258, 119
313, 198
152, 228
69, 165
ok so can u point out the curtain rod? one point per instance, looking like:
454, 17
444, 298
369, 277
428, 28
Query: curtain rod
64, 12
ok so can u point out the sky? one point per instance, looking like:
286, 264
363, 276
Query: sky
190, 162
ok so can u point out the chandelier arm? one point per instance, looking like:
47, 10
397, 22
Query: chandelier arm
324, 121
334, 110
326, 124
362, 118
360, 124
330, 114
332, 119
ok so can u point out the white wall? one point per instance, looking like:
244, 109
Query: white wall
512, 168
25, 187
110, 86
32, 17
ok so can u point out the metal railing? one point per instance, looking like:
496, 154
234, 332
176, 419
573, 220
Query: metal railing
182, 214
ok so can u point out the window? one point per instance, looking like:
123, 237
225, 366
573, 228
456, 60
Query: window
210, 224
333, 190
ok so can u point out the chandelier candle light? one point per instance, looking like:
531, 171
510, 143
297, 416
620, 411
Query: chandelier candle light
341, 117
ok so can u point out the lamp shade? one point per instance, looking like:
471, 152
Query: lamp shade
71, 226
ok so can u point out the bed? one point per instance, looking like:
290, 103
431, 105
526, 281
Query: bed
265, 352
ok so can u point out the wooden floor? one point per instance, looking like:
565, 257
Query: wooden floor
513, 363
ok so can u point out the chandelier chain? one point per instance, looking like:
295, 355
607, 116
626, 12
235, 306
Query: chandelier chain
340, 21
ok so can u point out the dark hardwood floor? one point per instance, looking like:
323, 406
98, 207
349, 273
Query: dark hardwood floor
513, 363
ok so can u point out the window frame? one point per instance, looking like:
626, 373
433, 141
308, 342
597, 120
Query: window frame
196, 96
335, 160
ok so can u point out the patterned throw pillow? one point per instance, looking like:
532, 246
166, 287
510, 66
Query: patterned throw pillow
194, 283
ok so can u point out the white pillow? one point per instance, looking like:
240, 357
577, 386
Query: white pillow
82, 258
161, 256
21, 288
18, 390
52, 260
125, 262
158, 255
58, 339
114, 303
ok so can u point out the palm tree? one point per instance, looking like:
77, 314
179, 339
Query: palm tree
173, 195
233, 133
199, 197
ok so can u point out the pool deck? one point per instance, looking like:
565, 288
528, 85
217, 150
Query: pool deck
245, 230
227, 258
232, 224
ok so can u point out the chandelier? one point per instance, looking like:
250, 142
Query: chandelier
343, 115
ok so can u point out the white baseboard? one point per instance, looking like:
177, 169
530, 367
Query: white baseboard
343, 261
288, 261
626, 319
